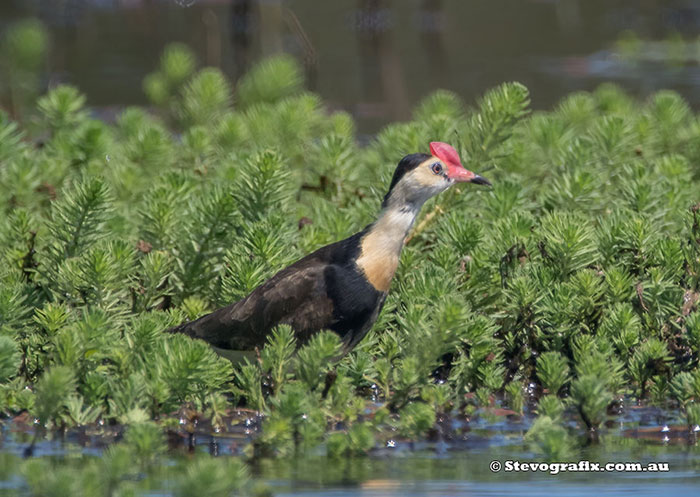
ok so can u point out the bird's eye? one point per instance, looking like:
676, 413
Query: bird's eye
436, 168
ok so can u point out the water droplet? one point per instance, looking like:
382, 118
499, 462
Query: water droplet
304, 416
665, 439
665, 429
185, 3
391, 444
248, 421
696, 428
217, 429
182, 421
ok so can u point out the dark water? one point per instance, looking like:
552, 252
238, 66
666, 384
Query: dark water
466, 475
427, 472
376, 58
455, 465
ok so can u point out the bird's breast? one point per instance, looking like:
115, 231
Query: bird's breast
378, 259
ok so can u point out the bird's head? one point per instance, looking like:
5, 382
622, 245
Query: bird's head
421, 176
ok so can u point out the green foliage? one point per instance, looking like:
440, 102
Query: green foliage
576, 275
552, 371
567, 243
416, 419
76, 223
177, 64
249, 385
550, 439
200, 252
205, 98
550, 406
218, 477
52, 390
264, 186
270, 81
649, 359
314, 359
591, 398
190, 369
9, 358
62, 108
22, 52
515, 395
146, 441
24, 45
277, 355
489, 129
357, 441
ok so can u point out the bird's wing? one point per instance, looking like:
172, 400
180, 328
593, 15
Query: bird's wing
296, 296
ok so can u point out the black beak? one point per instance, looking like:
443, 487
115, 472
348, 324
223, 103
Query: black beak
480, 180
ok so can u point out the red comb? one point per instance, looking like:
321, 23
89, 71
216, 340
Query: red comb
445, 152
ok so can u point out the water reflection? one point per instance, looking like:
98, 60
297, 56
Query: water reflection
241, 24
383, 84
376, 58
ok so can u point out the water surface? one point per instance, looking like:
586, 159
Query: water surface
377, 58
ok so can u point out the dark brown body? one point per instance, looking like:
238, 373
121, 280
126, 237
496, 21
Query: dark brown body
324, 290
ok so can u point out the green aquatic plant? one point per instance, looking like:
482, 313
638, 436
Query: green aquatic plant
218, 477
9, 358
269, 82
415, 420
314, 360
146, 442
576, 275
516, 396
205, 98
357, 441
76, 225
488, 131
649, 359
692, 416
23, 49
52, 391
248, 383
551, 406
550, 439
591, 399
277, 356
62, 108
177, 64
552, 371
685, 389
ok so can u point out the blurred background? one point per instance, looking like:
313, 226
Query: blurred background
373, 58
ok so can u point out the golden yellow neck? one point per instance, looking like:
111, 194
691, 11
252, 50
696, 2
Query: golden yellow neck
380, 248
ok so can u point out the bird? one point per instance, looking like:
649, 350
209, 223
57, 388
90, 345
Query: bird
341, 287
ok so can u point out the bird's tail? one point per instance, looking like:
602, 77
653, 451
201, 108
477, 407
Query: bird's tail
211, 328
196, 330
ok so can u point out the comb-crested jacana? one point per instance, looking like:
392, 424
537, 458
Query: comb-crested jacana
342, 286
